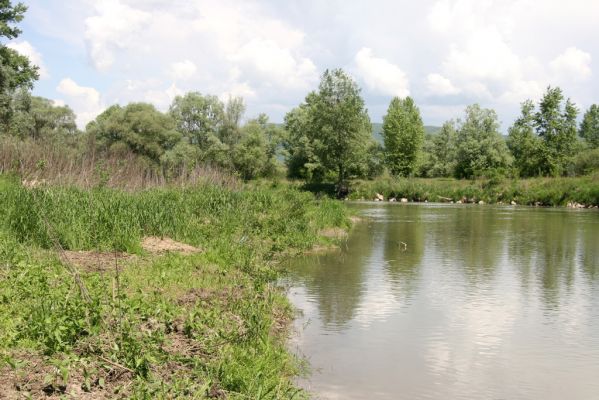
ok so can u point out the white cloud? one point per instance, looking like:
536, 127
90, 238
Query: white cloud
573, 63
85, 101
182, 70
439, 85
134, 37
116, 26
380, 75
267, 60
26, 49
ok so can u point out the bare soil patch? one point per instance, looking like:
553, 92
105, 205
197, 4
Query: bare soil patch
158, 245
95, 261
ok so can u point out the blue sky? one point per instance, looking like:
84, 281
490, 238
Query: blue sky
444, 53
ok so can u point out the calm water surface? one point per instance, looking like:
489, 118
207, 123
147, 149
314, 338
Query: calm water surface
481, 302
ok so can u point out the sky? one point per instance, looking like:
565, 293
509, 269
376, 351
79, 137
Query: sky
446, 54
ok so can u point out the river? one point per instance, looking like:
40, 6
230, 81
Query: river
428, 301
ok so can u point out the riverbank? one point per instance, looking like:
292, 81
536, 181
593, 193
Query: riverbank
160, 293
582, 192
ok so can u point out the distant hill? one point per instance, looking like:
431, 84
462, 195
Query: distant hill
377, 129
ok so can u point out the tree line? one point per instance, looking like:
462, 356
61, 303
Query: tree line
326, 138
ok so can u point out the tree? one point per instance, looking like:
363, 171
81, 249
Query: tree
589, 128
16, 71
525, 145
300, 156
403, 135
137, 127
331, 131
556, 125
39, 118
480, 148
197, 117
443, 154
229, 133
544, 141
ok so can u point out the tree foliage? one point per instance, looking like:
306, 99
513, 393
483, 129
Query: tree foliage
480, 148
137, 127
442, 152
403, 134
589, 128
16, 71
198, 117
543, 141
331, 131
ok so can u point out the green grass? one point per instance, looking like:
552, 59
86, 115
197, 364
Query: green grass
173, 326
535, 191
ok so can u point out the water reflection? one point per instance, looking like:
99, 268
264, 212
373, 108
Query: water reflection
454, 302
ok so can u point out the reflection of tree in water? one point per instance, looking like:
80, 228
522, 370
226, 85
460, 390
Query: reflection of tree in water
403, 248
589, 241
336, 279
547, 247
471, 236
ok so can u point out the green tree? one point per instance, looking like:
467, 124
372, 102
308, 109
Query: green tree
16, 71
39, 118
526, 147
480, 148
197, 117
300, 155
589, 128
250, 155
334, 134
403, 135
442, 151
230, 131
556, 124
137, 127
544, 141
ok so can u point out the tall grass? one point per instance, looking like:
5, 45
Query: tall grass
170, 327
67, 164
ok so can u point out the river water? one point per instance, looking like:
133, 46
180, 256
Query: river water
453, 302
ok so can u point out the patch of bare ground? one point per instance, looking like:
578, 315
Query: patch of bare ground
159, 245
94, 261
333, 233
209, 295
354, 219
36, 377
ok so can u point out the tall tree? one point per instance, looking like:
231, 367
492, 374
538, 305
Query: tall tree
556, 125
543, 141
589, 128
526, 147
443, 151
480, 148
335, 133
16, 71
403, 134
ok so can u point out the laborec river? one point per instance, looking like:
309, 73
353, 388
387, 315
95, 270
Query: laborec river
453, 302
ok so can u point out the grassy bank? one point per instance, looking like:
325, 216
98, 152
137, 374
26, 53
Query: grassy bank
86, 311
536, 191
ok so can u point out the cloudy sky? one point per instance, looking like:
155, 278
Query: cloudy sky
444, 53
